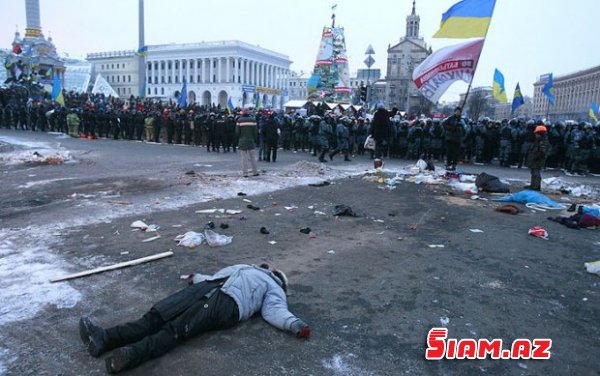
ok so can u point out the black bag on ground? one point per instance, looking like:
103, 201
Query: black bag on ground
491, 184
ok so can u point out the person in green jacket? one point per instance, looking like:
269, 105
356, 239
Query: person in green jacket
247, 133
73, 124
537, 157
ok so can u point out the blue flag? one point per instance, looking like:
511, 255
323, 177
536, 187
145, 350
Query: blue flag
498, 89
549, 89
518, 100
594, 111
182, 101
229, 106
57, 94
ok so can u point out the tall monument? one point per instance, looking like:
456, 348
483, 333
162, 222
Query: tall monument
34, 58
142, 51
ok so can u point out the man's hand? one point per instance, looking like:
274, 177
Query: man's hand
300, 329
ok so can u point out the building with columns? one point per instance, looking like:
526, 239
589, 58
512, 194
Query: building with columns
573, 95
213, 71
216, 71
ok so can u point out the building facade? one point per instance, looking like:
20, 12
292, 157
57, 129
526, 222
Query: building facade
401, 91
119, 68
573, 95
217, 71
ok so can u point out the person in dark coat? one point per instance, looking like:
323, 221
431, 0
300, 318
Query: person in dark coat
454, 127
271, 134
211, 302
537, 157
380, 130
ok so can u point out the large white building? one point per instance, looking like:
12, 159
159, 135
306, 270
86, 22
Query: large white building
213, 71
119, 68
217, 71
573, 95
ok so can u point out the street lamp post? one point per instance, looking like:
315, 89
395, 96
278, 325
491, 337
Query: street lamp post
369, 61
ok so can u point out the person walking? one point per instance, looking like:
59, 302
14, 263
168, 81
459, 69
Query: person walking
247, 133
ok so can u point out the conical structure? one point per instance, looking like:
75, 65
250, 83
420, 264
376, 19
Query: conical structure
330, 81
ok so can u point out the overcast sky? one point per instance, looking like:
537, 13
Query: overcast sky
527, 38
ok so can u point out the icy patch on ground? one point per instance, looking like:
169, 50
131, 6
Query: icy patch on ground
32, 152
42, 182
341, 365
5, 360
26, 267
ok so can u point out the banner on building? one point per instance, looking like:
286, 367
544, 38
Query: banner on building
446, 66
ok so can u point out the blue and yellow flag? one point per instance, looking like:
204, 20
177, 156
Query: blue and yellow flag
182, 100
594, 111
549, 89
498, 89
467, 19
143, 51
229, 106
518, 100
57, 94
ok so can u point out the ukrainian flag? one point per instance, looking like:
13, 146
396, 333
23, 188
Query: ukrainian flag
549, 89
143, 51
467, 19
594, 111
229, 106
57, 94
518, 100
498, 88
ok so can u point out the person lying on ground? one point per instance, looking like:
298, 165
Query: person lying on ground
210, 302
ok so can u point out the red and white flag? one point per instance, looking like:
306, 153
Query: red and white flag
446, 66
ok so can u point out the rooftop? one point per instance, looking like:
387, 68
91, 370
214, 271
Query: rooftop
216, 44
570, 75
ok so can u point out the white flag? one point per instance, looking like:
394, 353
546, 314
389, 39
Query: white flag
446, 66
101, 86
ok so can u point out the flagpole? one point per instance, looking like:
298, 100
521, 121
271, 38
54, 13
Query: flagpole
477, 64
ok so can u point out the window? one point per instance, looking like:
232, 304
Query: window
169, 65
102, 66
198, 78
149, 80
118, 90
191, 79
183, 64
176, 79
117, 65
123, 78
129, 90
149, 66
177, 65
162, 79
155, 91
129, 78
118, 79
169, 79
149, 91
112, 66
162, 65
162, 91
156, 80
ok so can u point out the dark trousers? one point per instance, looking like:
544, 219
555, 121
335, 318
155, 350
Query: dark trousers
536, 179
452, 153
271, 154
151, 337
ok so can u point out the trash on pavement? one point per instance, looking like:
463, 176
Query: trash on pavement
291, 207
246, 200
475, 230
305, 230
469, 188
436, 246
319, 213
344, 210
578, 221
491, 184
532, 197
272, 242
216, 240
556, 184
190, 239
264, 231
321, 184
151, 239
539, 232
206, 211
139, 224
152, 228
252, 207
224, 226
331, 252
444, 321
509, 209
593, 267
209, 226
242, 194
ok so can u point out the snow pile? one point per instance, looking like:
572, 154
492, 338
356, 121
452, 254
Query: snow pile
38, 153
25, 269
558, 185
305, 168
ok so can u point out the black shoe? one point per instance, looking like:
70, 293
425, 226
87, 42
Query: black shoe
120, 360
92, 336
264, 231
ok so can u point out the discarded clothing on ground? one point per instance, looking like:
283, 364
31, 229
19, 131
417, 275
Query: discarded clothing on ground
193, 239
527, 197
578, 221
491, 184
321, 184
509, 209
344, 210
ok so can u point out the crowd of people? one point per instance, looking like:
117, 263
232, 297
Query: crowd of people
572, 146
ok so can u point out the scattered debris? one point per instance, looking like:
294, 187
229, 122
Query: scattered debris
264, 231
509, 209
539, 232
224, 226
209, 226
291, 208
532, 197
491, 184
248, 201
436, 246
593, 267
190, 239
475, 230
125, 253
139, 225
206, 211
305, 230
444, 321
221, 211
344, 210
331, 252
319, 213
321, 184
217, 240
113, 267
191, 173
242, 194
252, 207
151, 239
272, 242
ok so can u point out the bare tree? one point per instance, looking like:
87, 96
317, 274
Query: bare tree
479, 104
